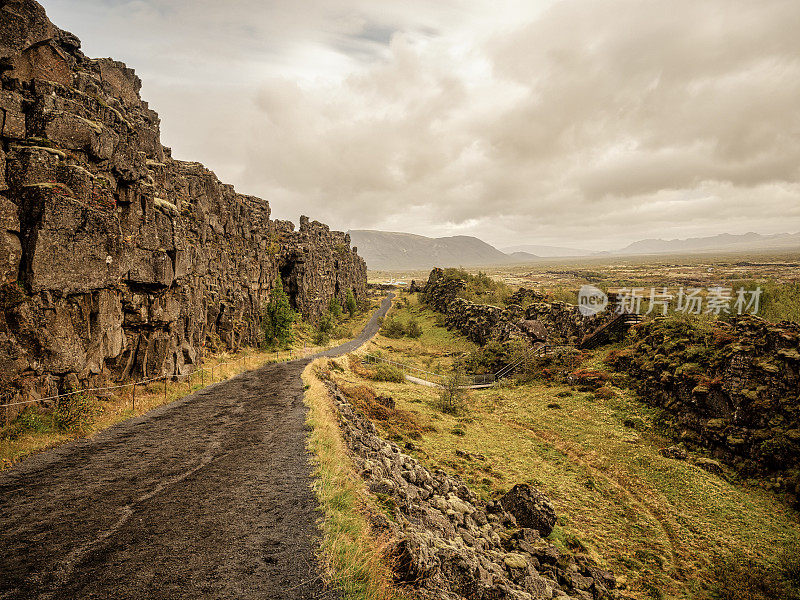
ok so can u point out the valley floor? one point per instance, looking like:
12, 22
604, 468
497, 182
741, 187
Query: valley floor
665, 526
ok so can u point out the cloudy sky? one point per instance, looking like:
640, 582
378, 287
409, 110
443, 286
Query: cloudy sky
579, 123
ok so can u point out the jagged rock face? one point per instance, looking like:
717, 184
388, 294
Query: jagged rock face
563, 322
732, 388
117, 260
450, 544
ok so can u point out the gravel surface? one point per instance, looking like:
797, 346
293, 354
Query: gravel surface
207, 497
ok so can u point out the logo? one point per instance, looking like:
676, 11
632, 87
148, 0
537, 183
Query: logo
591, 300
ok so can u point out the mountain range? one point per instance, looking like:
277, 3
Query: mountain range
388, 250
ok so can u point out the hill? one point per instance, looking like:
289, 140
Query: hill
724, 242
546, 251
394, 250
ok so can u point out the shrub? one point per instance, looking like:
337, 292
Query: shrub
604, 392
29, 420
335, 308
341, 332
384, 372
277, 317
350, 303
414, 329
452, 394
74, 412
392, 328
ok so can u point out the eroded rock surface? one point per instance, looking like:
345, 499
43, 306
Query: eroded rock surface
117, 260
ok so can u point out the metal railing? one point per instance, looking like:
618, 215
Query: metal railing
486, 379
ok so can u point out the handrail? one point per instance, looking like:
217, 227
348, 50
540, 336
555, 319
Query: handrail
485, 379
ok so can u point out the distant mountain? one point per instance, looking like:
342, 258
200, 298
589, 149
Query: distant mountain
392, 250
724, 242
546, 251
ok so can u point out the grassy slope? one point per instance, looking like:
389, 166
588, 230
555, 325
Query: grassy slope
660, 523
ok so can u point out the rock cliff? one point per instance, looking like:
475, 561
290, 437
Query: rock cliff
117, 260
733, 388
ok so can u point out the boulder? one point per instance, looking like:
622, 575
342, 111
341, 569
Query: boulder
530, 508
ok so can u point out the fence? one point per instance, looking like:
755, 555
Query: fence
487, 379
280, 355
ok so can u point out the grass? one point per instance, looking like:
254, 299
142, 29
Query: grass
434, 350
354, 558
663, 525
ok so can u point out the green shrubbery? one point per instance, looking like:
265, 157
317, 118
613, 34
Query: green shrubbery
75, 412
350, 303
480, 288
330, 324
452, 393
277, 318
393, 327
384, 372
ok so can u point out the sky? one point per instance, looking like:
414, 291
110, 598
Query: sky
572, 123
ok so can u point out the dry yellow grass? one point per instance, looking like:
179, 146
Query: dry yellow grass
355, 559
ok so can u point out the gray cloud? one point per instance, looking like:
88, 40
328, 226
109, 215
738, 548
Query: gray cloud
550, 122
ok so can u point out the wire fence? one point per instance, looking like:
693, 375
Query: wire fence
214, 369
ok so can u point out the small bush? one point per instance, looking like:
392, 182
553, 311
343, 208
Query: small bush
384, 372
414, 330
74, 412
350, 303
335, 308
277, 318
341, 332
452, 394
325, 327
604, 393
30, 420
392, 328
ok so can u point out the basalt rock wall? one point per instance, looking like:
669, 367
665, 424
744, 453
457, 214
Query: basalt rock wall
117, 260
733, 388
556, 322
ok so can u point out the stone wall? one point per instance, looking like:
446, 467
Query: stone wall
451, 545
733, 388
117, 260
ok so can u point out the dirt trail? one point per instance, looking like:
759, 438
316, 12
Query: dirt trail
207, 497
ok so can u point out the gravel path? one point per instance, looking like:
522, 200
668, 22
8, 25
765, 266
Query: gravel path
207, 497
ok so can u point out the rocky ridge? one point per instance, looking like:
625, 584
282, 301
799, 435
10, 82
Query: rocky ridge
449, 544
527, 317
732, 388
117, 260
